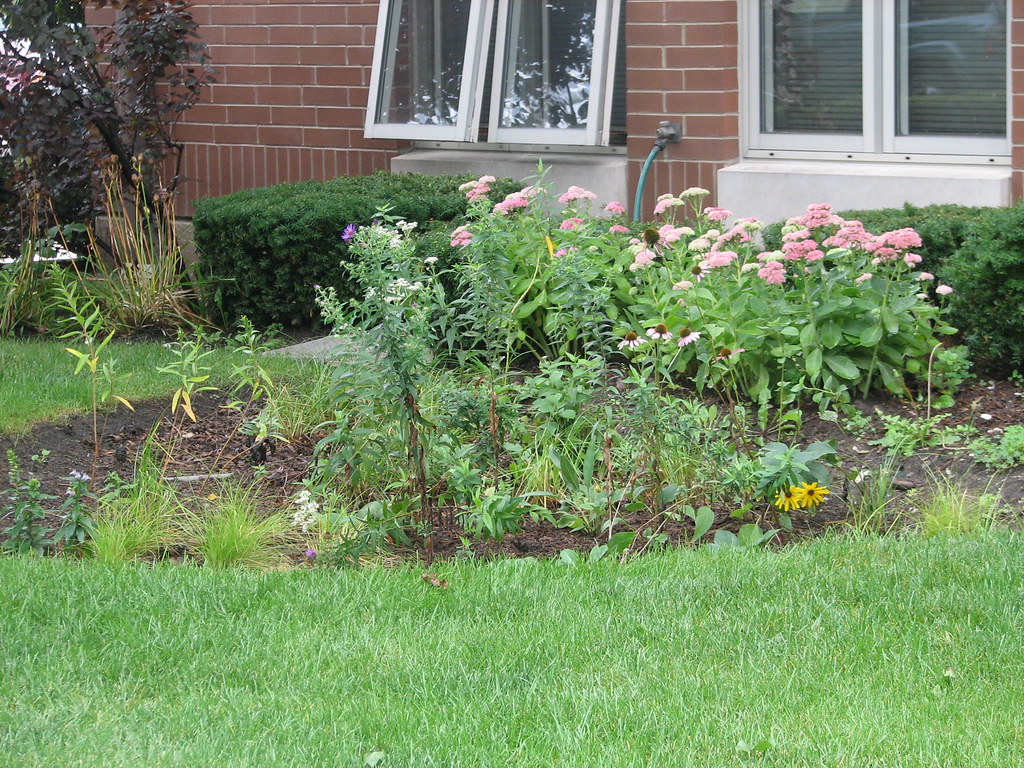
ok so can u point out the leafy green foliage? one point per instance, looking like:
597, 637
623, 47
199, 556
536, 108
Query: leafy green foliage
267, 248
1006, 452
987, 274
26, 534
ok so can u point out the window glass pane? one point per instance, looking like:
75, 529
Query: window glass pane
812, 72
548, 66
423, 62
952, 67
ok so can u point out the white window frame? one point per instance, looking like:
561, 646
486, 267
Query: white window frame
469, 91
477, 55
879, 140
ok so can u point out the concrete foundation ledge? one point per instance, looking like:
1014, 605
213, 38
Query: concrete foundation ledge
775, 190
604, 175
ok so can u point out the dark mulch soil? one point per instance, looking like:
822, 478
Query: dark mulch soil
214, 445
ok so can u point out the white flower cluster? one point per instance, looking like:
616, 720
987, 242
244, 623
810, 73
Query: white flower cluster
400, 289
306, 515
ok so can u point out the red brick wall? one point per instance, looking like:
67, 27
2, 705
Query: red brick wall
682, 67
1017, 97
293, 81
290, 96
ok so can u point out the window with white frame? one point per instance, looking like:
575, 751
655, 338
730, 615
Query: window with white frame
878, 76
513, 71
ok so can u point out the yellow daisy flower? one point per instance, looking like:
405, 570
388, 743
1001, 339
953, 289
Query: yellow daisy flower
812, 494
789, 498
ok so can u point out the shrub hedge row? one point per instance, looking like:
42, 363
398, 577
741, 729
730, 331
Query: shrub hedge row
264, 249
980, 253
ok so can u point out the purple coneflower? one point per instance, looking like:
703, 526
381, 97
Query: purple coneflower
631, 341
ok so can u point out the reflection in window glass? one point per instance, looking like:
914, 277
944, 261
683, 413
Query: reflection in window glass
548, 68
423, 64
952, 68
812, 73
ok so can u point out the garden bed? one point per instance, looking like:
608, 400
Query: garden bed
200, 454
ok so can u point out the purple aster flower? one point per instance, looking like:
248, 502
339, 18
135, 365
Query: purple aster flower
310, 553
349, 233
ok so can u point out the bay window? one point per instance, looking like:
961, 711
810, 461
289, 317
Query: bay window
878, 77
515, 71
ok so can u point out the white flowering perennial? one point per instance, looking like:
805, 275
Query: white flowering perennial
305, 516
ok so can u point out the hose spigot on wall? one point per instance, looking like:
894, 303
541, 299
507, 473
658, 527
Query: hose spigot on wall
667, 133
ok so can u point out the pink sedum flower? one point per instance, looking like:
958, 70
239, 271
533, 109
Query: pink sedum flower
714, 213
682, 285
618, 229
773, 273
576, 193
717, 259
643, 259
571, 223
863, 278
615, 207
461, 236
925, 276
943, 290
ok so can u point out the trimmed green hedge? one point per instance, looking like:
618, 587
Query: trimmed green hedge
264, 249
980, 253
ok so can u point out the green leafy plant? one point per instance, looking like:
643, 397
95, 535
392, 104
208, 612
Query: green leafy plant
1006, 452
79, 503
493, 515
190, 370
833, 312
906, 435
26, 534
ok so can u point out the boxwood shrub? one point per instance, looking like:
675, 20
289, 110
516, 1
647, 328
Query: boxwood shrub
987, 275
264, 249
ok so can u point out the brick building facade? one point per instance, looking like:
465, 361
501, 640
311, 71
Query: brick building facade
294, 78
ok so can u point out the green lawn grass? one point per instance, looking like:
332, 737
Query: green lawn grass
38, 383
840, 652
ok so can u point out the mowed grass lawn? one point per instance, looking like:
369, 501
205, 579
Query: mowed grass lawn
840, 652
38, 381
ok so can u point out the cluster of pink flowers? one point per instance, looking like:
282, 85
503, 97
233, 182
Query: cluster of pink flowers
715, 213
515, 200
477, 189
571, 223
618, 229
717, 259
889, 245
772, 272
643, 258
665, 202
461, 236
615, 208
850, 234
576, 193
818, 215
806, 249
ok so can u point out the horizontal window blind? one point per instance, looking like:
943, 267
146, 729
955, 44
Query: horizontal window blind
951, 68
